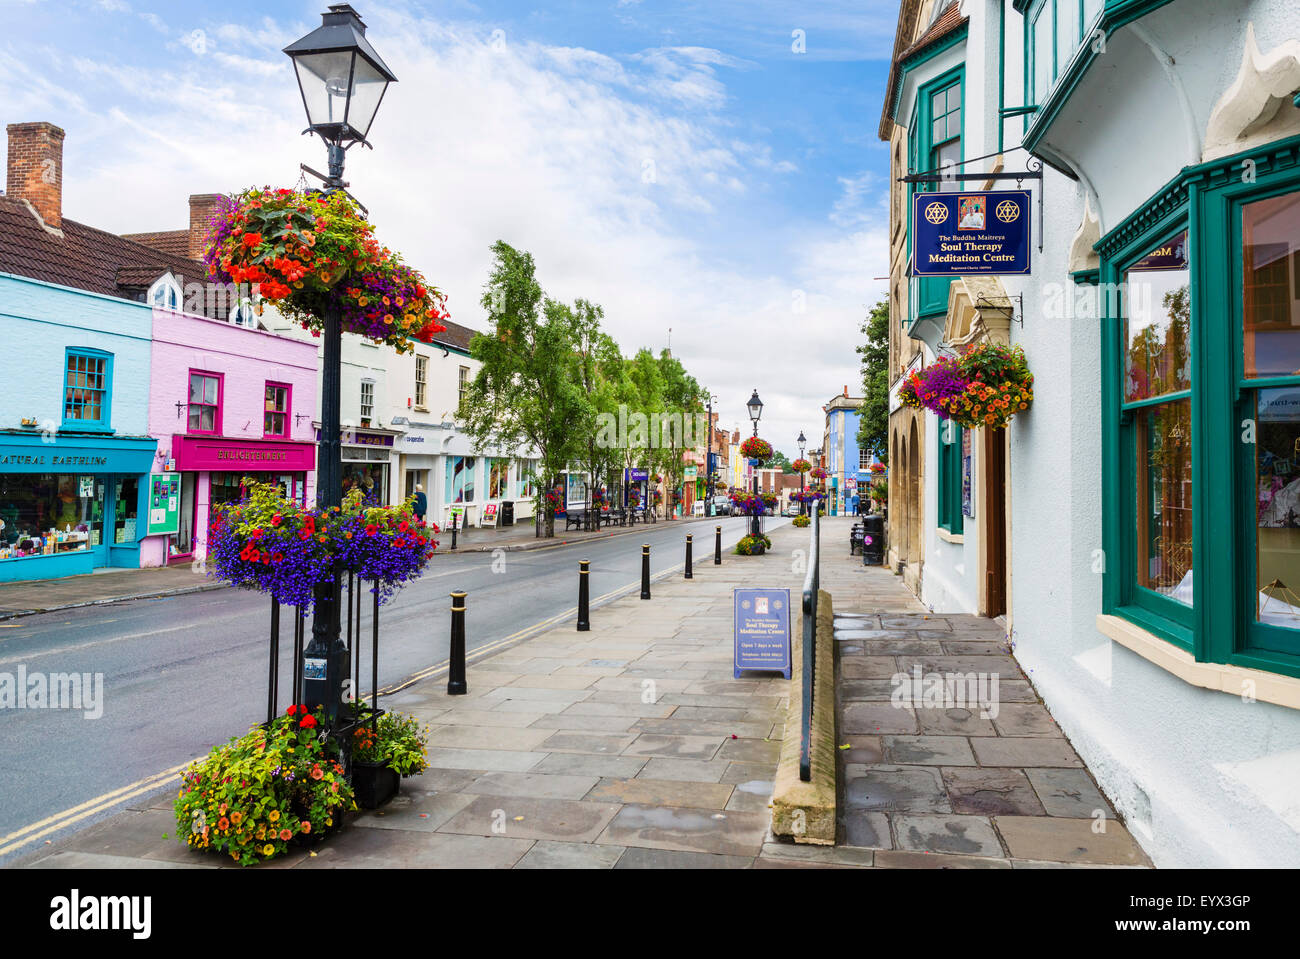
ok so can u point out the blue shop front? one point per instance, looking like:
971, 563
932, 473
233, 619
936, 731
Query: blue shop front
71, 503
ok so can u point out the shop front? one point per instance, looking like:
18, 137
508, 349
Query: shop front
70, 504
367, 461
213, 471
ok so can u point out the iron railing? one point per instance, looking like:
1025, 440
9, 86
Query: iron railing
811, 585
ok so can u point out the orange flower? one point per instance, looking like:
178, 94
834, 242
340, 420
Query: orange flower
306, 826
286, 835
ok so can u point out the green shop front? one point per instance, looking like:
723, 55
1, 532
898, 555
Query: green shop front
70, 504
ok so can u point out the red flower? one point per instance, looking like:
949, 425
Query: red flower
307, 722
371, 529
276, 519
277, 557
292, 710
252, 239
403, 526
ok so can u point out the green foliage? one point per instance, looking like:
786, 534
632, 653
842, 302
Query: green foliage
397, 741
873, 423
250, 797
749, 545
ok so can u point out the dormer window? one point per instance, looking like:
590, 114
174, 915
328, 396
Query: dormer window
165, 294
244, 315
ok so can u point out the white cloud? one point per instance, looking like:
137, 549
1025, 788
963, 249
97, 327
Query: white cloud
545, 147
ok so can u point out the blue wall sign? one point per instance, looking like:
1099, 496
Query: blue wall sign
964, 234
762, 630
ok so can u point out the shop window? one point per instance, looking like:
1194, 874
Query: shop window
498, 474
524, 472
459, 483
949, 498
275, 416
43, 514
421, 381
87, 389
864, 460
1201, 414
205, 402
1157, 401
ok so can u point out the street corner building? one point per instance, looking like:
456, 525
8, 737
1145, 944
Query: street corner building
139, 395
1138, 525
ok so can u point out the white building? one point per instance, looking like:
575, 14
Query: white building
1138, 524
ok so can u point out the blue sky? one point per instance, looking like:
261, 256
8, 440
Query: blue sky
678, 162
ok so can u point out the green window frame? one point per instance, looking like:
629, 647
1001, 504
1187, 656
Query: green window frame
1207, 201
950, 515
87, 390
937, 123
1057, 28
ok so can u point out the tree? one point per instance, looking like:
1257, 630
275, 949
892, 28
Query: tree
521, 395
873, 422
597, 369
779, 460
683, 402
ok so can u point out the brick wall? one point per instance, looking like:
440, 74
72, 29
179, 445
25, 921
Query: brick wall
36, 168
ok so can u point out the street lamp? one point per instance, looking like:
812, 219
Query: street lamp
755, 406
342, 80
802, 441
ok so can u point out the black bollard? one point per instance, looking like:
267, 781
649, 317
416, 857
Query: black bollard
645, 571
689, 573
453, 530
456, 667
584, 596
717, 546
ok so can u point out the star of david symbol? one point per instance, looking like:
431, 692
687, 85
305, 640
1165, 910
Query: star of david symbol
1007, 211
936, 212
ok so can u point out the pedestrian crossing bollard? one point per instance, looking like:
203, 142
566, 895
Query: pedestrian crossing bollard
456, 665
689, 573
645, 571
717, 546
453, 530
584, 596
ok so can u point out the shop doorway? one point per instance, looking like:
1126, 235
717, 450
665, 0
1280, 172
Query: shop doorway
995, 521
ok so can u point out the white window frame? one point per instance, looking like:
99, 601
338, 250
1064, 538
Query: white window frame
421, 381
166, 294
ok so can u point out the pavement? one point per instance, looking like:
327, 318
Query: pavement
632, 746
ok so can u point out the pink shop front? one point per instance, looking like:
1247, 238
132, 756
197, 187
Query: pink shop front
212, 470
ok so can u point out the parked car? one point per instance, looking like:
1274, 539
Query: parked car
721, 506
791, 509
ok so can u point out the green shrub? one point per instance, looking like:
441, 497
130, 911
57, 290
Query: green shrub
748, 545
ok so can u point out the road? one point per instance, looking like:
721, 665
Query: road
183, 673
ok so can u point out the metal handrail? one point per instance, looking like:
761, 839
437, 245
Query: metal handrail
811, 585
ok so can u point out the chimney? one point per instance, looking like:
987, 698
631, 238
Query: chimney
203, 206
36, 169
846, 392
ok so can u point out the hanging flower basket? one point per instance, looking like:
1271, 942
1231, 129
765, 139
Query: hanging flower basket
998, 385
269, 543
309, 252
801, 466
755, 448
939, 382
817, 472
747, 504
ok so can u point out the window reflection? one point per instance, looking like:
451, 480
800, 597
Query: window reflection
1164, 499
1158, 323
1271, 286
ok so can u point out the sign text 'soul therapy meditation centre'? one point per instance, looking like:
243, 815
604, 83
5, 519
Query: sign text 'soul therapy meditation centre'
960, 234
762, 630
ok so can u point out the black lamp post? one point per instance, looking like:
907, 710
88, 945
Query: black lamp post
802, 443
342, 81
755, 406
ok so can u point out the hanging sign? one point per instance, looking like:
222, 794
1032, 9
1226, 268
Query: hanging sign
965, 234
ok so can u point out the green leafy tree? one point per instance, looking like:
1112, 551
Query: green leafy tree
683, 399
873, 422
521, 395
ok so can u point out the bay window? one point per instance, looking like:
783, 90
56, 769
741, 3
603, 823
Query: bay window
1201, 412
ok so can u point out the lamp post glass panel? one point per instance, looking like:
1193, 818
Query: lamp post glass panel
755, 406
342, 81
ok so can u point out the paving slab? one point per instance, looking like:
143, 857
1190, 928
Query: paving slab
674, 747
549, 854
1068, 840
992, 792
954, 835
1068, 792
1024, 751
523, 817
685, 829
662, 792
928, 751
535, 784
644, 858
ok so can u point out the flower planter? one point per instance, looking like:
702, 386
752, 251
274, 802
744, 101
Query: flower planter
374, 784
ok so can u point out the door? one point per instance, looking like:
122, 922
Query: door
995, 521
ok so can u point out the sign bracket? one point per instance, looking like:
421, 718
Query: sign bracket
983, 303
